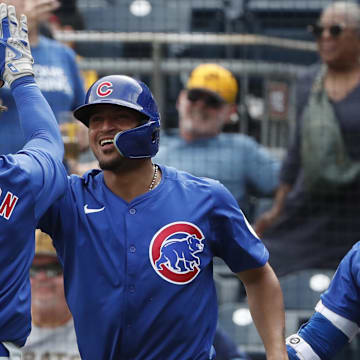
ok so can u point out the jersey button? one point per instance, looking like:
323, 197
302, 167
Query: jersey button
132, 211
132, 288
132, 248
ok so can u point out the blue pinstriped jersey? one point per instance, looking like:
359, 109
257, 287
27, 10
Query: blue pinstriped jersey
138, 275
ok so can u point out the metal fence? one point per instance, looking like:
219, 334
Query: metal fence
276, 81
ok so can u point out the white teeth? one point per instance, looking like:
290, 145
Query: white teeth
106, 141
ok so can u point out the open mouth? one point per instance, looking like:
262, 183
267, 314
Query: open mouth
107, 143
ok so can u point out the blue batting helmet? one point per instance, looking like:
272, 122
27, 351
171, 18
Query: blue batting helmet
140, 142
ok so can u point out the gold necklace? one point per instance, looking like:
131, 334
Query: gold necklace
154, 178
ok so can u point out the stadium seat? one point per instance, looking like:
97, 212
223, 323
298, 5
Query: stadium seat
236, 320
302, 289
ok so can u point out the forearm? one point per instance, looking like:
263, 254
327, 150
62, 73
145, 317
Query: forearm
280, 197
38, 120
322, 337
267, 310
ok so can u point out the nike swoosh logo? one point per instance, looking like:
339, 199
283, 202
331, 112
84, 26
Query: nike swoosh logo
18, 54
88, 210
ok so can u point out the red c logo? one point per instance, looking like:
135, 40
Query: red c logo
104, 89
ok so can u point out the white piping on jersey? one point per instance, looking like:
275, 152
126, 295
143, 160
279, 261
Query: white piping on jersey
349, 328
303, 350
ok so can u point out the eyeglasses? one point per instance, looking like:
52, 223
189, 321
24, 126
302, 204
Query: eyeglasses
208, 99
334, 30
51, 270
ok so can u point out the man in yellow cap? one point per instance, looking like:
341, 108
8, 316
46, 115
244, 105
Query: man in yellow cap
53, 333
205, 105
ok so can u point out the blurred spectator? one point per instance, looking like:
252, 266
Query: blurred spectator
53, 334
204, 107
55, 70
79, 156
314, 219
68, 18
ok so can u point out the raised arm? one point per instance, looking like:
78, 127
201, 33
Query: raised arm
40, 160
38, 121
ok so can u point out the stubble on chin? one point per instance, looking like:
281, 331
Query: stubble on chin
114, 165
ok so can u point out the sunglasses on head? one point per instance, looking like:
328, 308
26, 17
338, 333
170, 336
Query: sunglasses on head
51, 270
207, 98
335, 30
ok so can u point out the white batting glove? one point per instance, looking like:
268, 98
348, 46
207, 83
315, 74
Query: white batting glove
15, 55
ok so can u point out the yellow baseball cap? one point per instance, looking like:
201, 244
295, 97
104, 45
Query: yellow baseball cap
43, 244
214, 78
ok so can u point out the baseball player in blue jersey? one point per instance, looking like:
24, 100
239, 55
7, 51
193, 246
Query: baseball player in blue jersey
137, 242
29, 182
336, 320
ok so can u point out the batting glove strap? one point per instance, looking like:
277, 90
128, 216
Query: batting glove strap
302, 349
16, 59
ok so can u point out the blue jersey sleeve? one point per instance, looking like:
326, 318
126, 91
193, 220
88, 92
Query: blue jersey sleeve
343, 294
234, 239
336, 320
41, 157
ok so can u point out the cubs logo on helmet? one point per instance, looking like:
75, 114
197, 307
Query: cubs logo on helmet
174, 252
104, 89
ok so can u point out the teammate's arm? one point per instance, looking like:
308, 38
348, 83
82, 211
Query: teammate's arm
325, 334
37, 119
42, 154
337, 316
267, 309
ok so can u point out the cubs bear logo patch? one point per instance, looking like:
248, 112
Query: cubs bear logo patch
174, 252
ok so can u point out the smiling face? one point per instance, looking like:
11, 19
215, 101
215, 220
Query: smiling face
201, 117
342, 50
104, 123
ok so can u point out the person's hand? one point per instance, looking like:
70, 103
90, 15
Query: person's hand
264, 222
15, 55
38, 11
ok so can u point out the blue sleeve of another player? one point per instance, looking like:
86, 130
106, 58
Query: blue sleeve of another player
43, 152
234, 239
343, 294
317, 339
336, 320
38, 120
